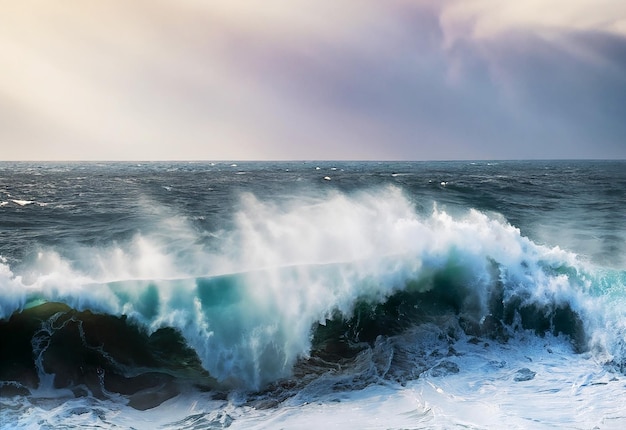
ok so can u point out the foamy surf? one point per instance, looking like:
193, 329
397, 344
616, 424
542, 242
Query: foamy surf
332, 308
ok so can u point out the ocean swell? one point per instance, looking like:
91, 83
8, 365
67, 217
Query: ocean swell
291, 283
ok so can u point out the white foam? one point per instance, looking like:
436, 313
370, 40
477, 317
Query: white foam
22, 202
300, 262
12, 295
567, 391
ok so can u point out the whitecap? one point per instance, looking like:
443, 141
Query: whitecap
22, 202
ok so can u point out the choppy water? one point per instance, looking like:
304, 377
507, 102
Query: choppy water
304, 295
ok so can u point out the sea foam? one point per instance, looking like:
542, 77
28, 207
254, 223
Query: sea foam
248, 302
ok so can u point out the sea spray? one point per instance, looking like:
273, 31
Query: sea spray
292, 266
444, 294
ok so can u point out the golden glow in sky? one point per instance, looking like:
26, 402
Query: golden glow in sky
278, 79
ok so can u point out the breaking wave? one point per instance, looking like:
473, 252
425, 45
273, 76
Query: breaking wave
294, 288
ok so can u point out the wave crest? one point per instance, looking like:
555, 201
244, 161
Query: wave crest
266, 292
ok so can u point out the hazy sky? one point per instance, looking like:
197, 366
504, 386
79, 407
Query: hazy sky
312, 79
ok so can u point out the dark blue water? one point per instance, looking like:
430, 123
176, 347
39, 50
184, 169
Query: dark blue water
579, 205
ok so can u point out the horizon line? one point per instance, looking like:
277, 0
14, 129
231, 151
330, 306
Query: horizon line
329, 160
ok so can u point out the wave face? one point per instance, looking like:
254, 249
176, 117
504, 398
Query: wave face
370, 277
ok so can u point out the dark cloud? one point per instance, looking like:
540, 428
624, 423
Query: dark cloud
516, 96
571, 93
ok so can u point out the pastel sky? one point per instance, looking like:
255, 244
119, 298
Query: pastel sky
312, 79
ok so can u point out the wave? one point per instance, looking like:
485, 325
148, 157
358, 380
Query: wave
295, 288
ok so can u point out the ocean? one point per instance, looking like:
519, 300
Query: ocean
308, 295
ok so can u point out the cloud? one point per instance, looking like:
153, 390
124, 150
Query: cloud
561, 70
403, 79
483, 19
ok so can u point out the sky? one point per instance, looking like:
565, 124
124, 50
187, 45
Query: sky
312, 79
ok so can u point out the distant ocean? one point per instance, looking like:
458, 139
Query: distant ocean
308, 295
